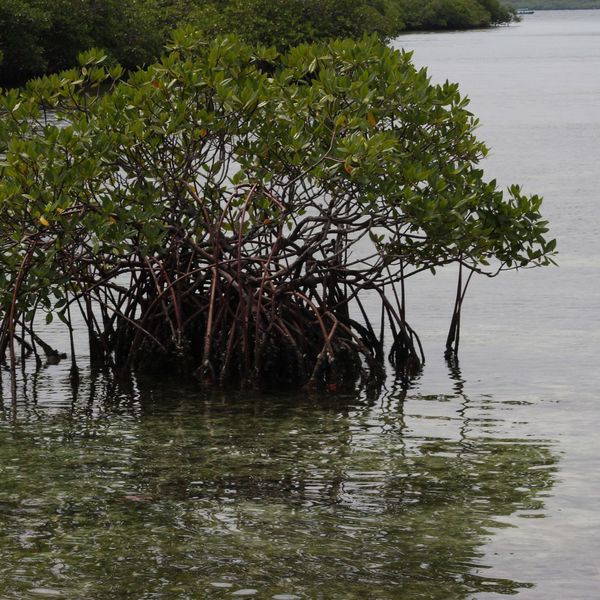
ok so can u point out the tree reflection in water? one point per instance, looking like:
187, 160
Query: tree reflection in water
155, 489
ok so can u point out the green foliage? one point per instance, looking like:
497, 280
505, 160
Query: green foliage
553, 4
453, 14
22, 24
286, 23
45, 36
245, 175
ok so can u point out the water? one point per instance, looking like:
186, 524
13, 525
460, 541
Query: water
157, 491
535, 336
477, 482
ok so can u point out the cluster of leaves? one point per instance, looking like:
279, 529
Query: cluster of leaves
228, 205
454, 14
45, 36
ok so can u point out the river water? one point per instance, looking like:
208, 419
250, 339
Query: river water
478, 481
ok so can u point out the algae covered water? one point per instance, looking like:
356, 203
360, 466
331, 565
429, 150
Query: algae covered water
476, 480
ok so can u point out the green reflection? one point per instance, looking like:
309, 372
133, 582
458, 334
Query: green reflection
131, 490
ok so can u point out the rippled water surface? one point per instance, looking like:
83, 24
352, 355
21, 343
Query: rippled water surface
159, 491
477, 481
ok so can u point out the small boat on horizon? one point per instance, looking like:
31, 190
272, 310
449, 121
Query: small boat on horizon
525, 11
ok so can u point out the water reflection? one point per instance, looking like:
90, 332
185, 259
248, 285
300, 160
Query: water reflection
140, 488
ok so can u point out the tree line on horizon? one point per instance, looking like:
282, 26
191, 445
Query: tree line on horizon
38, 37
554, 4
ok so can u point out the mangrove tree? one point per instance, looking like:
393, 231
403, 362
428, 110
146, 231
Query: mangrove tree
238, 213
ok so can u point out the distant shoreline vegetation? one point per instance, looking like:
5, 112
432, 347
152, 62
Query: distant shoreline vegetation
39, 37
554, 4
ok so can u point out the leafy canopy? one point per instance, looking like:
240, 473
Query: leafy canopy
45, 36
334, 164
